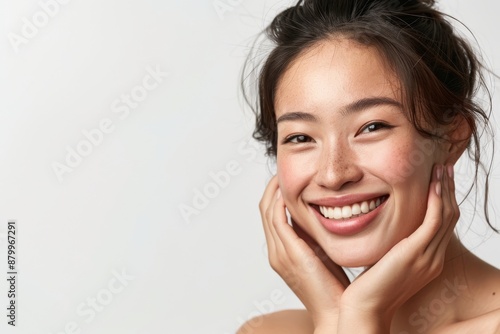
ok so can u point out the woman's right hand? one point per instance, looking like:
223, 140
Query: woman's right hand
316, 280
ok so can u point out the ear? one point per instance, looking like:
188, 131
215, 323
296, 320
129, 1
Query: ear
458, 138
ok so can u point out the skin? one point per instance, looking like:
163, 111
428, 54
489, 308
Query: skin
342, 156
420, 279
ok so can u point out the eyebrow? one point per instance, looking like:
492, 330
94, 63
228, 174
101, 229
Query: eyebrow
351, 108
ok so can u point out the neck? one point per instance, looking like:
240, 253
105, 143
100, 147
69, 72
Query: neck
442, 300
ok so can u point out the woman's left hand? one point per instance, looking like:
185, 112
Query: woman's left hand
383, 288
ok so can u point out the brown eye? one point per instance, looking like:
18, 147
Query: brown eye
375, 126
298, 139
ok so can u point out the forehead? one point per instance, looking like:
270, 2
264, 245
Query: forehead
332, 74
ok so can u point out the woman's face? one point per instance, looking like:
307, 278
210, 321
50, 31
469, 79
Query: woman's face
353, 171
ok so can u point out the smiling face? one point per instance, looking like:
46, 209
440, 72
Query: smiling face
346, 146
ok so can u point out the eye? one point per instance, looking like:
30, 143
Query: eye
375, 126
297, 139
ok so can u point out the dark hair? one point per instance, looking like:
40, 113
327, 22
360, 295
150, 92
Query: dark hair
439, 72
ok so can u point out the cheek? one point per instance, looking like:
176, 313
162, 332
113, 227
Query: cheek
407, 169
287, 173
405, 162
293, 176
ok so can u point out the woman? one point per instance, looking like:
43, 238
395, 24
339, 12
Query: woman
367, 105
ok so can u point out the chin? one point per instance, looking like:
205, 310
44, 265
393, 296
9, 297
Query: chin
357, 257
355, 263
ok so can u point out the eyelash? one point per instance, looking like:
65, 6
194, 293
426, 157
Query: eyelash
380, 125
290, 138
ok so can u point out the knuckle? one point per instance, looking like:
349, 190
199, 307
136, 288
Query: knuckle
435, 224
436, 268
447, 214
275, 223
262, 206
279, 262
269, 213
274, 263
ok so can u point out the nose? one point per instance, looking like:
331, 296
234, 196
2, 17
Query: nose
338, 166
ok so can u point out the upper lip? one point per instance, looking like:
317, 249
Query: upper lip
344, 200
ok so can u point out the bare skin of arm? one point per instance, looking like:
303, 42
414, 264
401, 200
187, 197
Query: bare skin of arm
299, 322
289, 321
486, 320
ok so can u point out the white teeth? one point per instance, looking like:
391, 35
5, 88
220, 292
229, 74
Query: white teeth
337, 213
330, 212
356, 209
348, 211
364, 207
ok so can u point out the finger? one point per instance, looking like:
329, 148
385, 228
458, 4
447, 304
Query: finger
264, 205
438, 244
447, 213
455, 210
296, 248
278, 258
276, 218
433, 216
334, 268
301, 246
304, 235
454, 203
450, 213
283, 230
268, 195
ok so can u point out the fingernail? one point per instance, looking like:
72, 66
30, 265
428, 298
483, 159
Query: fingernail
450, 171
278, 193
439, 172
438, 188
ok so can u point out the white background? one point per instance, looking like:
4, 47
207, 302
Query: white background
119, 209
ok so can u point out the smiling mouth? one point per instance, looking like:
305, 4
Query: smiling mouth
350, 211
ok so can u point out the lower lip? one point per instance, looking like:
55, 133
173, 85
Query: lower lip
349, 226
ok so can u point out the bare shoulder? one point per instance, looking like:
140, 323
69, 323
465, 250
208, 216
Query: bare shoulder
488, 323
289, 322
